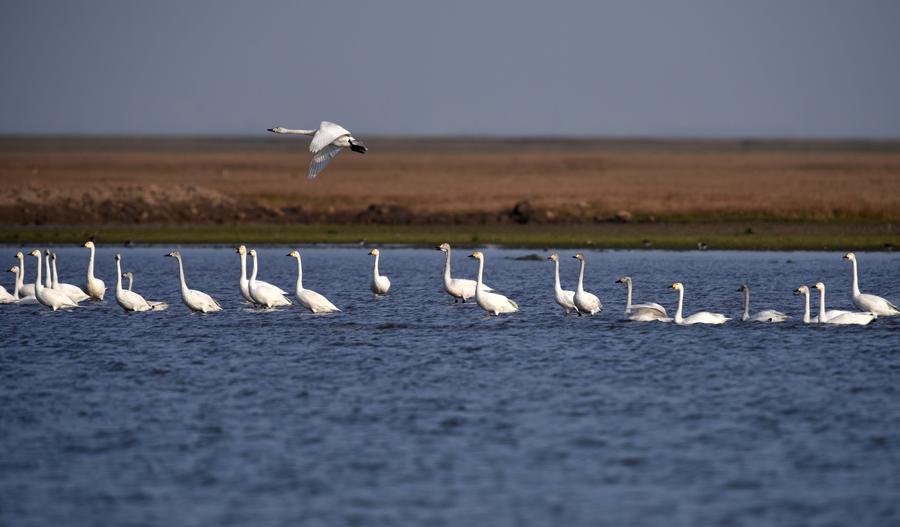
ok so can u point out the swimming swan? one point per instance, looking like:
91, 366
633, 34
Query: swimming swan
264, 296
195, 300
307, 297
25, 290
5, 296
49, 297
870, 303
72, 291
458, 288
129, 300
642, 312
19, 298
844, 317
565, 298
766, 315
245, 284
585, 303
94, 287
803, 290
380, 284
702, 317
493, 303
326, 142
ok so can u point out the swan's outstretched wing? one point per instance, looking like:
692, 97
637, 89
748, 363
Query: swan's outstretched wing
326, 135
321, 159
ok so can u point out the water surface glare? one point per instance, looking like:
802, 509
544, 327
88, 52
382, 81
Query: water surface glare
410, 410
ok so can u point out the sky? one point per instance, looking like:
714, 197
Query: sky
629, 68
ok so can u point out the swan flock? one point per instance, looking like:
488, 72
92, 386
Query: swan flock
49, 292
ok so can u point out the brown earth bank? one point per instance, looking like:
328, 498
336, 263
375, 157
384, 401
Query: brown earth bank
469, 181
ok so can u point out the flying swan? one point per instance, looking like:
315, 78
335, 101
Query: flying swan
493, 303
766, 315
380, 283
702, 317
642, 312
326, 142
195, 300
870, 303
585, 303
459, 288
308, 298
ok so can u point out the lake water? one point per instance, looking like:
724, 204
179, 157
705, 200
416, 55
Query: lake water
409, 410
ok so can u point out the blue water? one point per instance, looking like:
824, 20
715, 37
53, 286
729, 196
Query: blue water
409, 410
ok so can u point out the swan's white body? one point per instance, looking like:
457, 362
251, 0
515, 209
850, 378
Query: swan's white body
18, 298
702, 317
308, 298
262, 295
841, 317
94, 287
870, 303
129, 300
586, 303
72, 291
563, 297
459, 288
646, 312
380, 283
46, 296
25, 290
245, 283
766, 315
6, 297
195, 300
326, 142
493, 303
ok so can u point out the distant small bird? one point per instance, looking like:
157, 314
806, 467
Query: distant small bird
326, 142
702, 246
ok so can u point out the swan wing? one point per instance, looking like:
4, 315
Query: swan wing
321, 159
326, 135
860, 319
649, 306
769, 315
875, 304
316, 302
205, 299
265, 286
132, 300
26, 290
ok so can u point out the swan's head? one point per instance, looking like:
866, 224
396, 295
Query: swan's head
802, 290
36, 253
357, 146
579, 257
277, 130
553, 257
444, 247
14, 269
47, 253
678, 286
374, 252
744, 288
53, 256
294, 254
19, 255
242, 250
253, 253
624, 280
820, 286
174, 254
850, 256
477, 255
128, 275
89, 244
118, 257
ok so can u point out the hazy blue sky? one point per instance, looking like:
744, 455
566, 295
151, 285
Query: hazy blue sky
622, 68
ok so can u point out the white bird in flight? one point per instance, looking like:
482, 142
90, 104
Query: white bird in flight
326, 142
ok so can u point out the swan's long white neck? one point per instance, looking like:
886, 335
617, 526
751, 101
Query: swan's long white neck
243, 267
299, 275
20, 281
375, 270
480, 276
38, 286
296, 132
556, 286
822, 304
581, 277
130, 281
678, 317
90, 270
118, 276
253, 274
22, 267
48, 280
746, 314
855, 278
628, 297
806, 307
55, 276
184, 287
447, 278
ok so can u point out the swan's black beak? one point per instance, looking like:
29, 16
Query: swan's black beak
796, 291
270, 130
619, 281
357, 146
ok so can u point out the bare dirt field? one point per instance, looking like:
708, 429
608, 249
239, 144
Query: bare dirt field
158, 181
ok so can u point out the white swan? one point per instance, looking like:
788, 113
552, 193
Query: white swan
326, 142
261, 295
19, 298
195, 300
6, 297
380, 283
870, 303
803, 290
245, 284
645, 312
766, 315
458, 288
702, 317
93, 286
307, 297
46, 296
72, 291
494, 303
25, 290
563, 297
130, 276
585, 303
48, 280
841, 317
825, 316
129, 300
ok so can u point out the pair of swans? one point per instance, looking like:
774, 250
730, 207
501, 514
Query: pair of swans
94, 287
128, 299
195, 300
459, 288
47, 296
766, 315
702, 317
833, 316
493, 303
326, 143
579, 300
259, 292
869, 303
380, 284
25, 290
